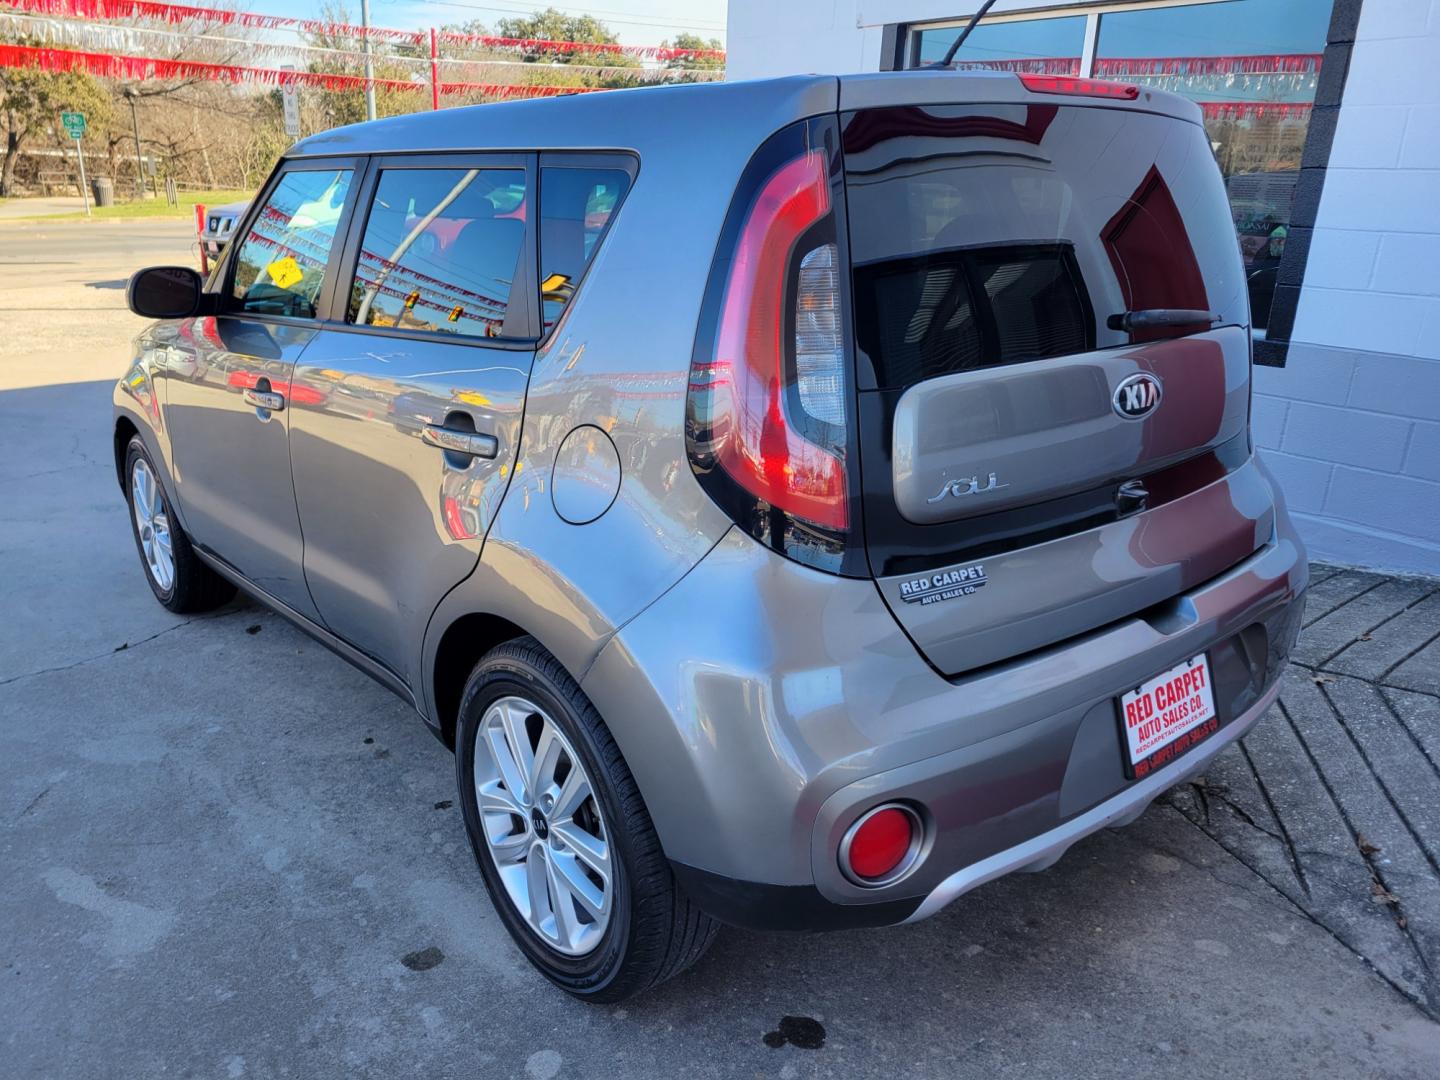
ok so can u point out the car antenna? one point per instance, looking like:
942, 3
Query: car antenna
955, 45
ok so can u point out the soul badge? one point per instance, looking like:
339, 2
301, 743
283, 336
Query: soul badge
943, 585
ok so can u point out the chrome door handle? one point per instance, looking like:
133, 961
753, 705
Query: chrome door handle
455, 441
264, 399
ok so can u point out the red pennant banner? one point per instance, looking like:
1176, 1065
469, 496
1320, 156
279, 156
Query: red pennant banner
1277, 64
107, 66
1255, 110
181, 13
1120, 67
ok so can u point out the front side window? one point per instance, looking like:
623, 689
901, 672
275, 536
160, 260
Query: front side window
576, 206
441, 251
280, 265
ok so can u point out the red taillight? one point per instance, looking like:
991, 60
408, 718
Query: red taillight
1064, 84
881, 846
769, 392
760, 448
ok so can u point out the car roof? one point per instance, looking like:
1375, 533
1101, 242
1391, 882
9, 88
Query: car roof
610, 120
671, 116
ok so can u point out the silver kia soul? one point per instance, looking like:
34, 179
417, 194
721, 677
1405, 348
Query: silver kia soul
796, 502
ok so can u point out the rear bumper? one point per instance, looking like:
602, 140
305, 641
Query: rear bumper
757, 906
763, 707
1121, 809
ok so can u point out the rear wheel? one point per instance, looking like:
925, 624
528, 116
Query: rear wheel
561, 835
180, 581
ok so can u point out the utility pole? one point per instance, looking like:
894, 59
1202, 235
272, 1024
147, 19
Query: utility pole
130, 96
369, 65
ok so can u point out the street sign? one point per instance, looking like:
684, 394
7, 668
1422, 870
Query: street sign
74, 124
290, 96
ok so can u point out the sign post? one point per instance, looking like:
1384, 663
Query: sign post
74, 123
290, 97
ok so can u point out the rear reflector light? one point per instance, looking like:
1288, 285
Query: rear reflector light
769, 388
819, 352
1064, 84
882, 845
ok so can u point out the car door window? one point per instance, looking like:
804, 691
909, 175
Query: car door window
576, 206
441, 251
280, 265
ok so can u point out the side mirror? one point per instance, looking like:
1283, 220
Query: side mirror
165, 292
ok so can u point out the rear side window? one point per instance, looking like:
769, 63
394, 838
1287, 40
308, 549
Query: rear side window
280, 265
441, 251
1000, 234
576, 207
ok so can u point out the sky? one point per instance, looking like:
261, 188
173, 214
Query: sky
635, 22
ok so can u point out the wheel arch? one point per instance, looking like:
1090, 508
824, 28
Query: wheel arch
125, 430
468, 637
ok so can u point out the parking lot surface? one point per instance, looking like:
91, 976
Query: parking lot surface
226, 853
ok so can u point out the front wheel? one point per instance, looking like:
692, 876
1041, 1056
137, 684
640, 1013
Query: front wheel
561, 835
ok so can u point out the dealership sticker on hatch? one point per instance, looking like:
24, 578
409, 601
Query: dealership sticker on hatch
943, 585
1167, 715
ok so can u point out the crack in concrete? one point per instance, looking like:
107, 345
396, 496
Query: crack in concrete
1430, 983
124, 646
1380, 782
1424, 1006
34, 802
1275, 813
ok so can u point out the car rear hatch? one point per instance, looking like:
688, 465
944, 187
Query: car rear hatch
1053, 356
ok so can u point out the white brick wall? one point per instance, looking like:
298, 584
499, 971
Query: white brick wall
1351, 424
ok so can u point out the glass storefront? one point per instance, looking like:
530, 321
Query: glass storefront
1045, 46
1251, 65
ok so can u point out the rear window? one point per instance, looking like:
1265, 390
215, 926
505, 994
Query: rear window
989, 235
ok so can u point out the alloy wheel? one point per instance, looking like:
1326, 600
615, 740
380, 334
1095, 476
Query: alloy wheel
152, 523
543, 826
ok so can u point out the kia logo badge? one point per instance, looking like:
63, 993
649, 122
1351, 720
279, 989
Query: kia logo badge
1136, 397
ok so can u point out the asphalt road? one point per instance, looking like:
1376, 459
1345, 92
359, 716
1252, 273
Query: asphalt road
219, 845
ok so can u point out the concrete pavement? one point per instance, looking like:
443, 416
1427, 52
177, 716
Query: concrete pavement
41, 204
226, 853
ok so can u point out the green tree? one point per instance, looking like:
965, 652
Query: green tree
553, 24
386, 61
31, 102
695, 63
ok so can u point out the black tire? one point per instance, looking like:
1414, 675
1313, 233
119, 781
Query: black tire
655, 932
196, 587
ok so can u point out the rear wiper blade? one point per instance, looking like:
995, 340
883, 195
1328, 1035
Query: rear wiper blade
1150, 318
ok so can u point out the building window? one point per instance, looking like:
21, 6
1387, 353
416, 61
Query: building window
1251, 65
1045, 46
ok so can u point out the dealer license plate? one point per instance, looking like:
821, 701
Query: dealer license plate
1166, 716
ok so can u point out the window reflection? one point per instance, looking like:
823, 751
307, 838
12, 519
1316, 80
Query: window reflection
991, 235
1252, 65
280, 266
576, 206
440, 251
1042, 46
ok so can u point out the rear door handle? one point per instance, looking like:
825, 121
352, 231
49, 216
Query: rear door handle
473, 443
264, 399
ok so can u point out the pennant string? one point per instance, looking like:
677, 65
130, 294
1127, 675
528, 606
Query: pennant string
182, 13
